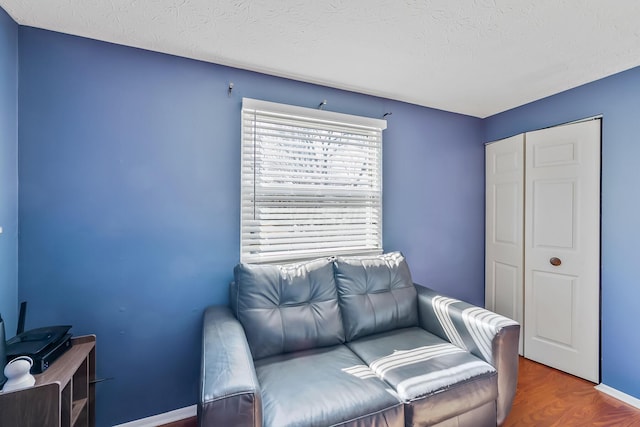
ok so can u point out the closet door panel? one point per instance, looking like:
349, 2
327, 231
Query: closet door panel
562, 248
504, 228
554, 213
506, 282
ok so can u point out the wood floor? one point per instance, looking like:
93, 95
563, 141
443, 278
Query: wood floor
189, 422
549, 398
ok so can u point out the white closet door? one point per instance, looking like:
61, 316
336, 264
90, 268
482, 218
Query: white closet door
562, 248
504, 228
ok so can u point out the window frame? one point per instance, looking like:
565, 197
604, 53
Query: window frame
272, 141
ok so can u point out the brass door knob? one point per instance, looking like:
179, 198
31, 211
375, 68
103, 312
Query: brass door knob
555, 261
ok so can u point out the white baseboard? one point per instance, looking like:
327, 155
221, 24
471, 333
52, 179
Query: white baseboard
160, 419
618, 395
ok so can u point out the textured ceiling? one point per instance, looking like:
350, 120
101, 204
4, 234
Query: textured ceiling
476, 57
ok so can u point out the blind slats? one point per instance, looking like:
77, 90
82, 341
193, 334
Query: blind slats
311, 183
259, 234
302, 139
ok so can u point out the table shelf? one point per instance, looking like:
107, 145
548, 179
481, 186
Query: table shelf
63, 395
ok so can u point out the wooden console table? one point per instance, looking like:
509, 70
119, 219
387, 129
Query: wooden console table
64, 394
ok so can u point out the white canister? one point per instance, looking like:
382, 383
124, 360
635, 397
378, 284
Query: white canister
18, 375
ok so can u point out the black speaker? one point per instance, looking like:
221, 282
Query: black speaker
3, 353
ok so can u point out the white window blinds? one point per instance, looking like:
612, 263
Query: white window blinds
311, 183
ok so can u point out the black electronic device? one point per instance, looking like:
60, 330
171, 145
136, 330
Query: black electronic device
21, 317
43, 345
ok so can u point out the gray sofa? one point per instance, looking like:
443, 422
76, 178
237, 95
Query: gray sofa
352, 341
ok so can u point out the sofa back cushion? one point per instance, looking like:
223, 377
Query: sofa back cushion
287, 307
376, 294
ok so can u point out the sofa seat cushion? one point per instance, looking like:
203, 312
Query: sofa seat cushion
436, 379
324, 386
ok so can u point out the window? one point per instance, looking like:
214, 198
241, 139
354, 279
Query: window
311, 183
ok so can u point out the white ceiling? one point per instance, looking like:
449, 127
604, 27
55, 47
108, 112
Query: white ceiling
476, 57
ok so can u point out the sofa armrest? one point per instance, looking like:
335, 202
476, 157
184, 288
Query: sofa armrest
485, 334
229, 390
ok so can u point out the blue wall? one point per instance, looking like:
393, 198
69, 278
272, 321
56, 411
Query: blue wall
617, 98
8, 172
129, 202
